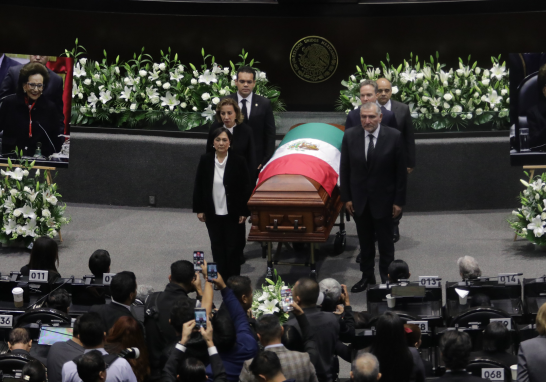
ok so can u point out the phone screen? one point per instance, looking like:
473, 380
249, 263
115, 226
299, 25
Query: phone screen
286, 299
200, 318
212, 271
50, 334
198, 259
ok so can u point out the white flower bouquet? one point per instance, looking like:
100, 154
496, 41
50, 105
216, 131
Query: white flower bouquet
439, 98
30, 207
529, 221
268, 300
145, 93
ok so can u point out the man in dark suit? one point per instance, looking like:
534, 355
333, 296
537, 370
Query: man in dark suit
368, 93
455, 348
54, 90
5, 64
373, 188
62, 352
404, 124
124, 290
324, 324
258, 115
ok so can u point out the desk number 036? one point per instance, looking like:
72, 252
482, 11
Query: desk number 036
6, 321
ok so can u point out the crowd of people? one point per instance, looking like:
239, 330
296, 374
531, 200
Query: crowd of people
235, 346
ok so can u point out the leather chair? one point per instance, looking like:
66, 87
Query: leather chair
479, 314
45, 316
10, 362
475, 368
527, 97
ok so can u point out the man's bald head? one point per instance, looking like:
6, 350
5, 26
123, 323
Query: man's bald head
384, 90
365, 368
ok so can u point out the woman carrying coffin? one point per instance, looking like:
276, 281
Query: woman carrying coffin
219, 199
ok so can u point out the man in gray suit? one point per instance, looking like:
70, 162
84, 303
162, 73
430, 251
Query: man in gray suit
531, 366
404, 124
295, 365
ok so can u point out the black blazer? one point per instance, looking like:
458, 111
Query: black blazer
262, 123
405, 125
236, 183
53, 91
14, 120
243, 144
109, 314
459, 376
6, 64
353, 118
383, 183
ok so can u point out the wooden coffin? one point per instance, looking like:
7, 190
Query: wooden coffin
281, 200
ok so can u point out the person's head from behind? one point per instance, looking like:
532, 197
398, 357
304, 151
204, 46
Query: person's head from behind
242, 289
183, 274
19, 339
480, 299
365, 368
305, 292
91, 367
266, 367
182, 311
455, 347
469, 268
331, 289
91, 331
99, 263
496, 337
34, 371
126, 333
44, 255
291, 338
398, 270
191, 369
269, 330
124, 287
413, 335
60, 300
541, 320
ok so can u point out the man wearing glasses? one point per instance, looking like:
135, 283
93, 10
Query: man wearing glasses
53, 91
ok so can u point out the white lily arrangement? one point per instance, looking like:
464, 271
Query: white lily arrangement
529, 221
439, 98
29, 207
268, 300
145, 93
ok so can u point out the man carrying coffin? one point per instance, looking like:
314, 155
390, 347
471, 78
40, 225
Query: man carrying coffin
404, 124
373, 176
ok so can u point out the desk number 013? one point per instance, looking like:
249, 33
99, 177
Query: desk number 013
429, 281
6, 321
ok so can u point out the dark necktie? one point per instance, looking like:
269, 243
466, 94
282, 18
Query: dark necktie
371, 148
244, 110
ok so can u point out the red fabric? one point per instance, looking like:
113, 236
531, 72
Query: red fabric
65, 65
301, 164
29, 116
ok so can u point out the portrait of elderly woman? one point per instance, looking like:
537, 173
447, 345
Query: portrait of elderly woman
29, 119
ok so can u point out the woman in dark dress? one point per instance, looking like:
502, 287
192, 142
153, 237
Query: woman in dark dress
28, 118
219, 198
43, 257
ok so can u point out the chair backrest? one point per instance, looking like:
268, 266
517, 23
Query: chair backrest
45, 315
527, 93
10, 362
481, 315
475, 367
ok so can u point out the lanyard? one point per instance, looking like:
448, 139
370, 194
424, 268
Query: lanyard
29, 117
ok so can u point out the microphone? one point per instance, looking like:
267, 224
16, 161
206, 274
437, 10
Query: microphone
130, 353
38, 304
48, 137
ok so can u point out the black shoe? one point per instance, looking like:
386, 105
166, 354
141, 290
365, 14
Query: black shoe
396, 235
362, 285
359, 257
242, 259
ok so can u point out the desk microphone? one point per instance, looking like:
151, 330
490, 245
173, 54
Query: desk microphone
54, 149
38, 304
130, 353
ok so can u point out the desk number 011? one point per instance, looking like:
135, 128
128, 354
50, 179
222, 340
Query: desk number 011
37, 276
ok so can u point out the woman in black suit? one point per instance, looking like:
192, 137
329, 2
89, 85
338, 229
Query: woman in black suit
43, 257
219, 199
228, 115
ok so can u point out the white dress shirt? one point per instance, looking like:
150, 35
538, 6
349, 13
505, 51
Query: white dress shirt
230, 128
119, 371
388, 105
128, 307
367, 140
218, 189
248, 103
2, 59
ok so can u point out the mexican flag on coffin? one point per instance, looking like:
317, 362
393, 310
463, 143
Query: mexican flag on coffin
312, 150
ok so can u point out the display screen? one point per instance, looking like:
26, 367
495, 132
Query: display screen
200, 318
198, 259
286, 299
51, 334
212, 271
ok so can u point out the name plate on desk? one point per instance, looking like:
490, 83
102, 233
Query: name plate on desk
423, 325
429, 281
38, 276
493, 373
6, 321
506, 321
509, 278
107, 278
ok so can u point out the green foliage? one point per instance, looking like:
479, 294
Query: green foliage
529, 220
